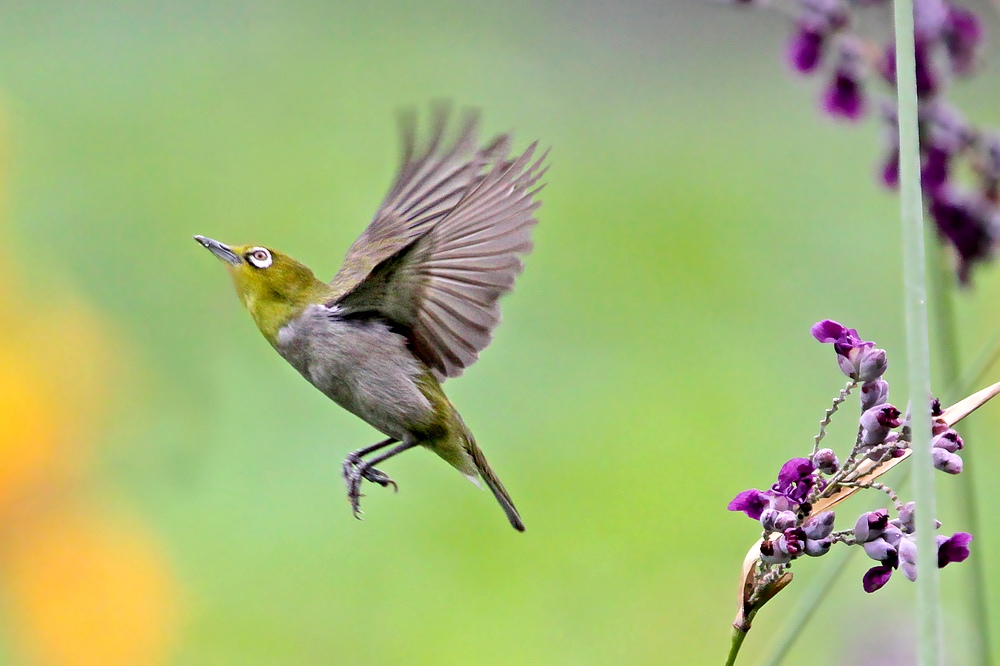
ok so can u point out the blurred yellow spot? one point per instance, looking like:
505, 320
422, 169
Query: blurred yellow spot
86, 593
27, 427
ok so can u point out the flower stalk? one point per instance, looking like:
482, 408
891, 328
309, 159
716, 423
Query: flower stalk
930, 647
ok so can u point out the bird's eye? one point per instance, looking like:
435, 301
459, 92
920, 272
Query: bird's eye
259, 257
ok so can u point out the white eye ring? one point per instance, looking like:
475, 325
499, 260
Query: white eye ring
259, 257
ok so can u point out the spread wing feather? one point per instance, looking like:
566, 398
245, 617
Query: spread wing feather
468, 260
446, 245
431, 180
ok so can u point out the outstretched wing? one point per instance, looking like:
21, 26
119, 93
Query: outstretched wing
431, 180
441, 278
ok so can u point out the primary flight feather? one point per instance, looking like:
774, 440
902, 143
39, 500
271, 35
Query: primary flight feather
415, 300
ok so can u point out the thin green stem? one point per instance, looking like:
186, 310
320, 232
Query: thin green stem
917, 342
734, 648
948, 355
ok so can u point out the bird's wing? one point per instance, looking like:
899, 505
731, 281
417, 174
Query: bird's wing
432, 178
442, 282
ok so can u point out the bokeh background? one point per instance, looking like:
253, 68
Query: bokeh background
170, 489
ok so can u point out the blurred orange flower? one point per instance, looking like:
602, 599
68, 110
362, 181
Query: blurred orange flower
82, 587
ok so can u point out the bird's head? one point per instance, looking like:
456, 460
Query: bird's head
274, 287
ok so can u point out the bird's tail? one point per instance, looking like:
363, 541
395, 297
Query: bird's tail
492, 482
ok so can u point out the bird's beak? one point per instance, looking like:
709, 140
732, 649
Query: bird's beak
220, 250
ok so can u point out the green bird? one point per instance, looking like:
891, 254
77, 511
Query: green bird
414, 302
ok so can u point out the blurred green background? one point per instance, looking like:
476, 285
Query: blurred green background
654, 360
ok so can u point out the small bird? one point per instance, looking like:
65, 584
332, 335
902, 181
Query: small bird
415, 300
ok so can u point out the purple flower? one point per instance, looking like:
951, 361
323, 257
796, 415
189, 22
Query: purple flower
954, 548
842, 337
844, 95
795, 479
934, 168
858, 358
946, 461
971, 228
806, 48
908, 558
876, 577
876, 423
890, 168
963, 33
871, 525
792, 541
751, 502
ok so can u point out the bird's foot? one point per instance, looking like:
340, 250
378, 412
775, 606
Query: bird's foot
354, 471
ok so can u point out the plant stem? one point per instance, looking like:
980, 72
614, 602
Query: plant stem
975, 575
734, 649
917, 343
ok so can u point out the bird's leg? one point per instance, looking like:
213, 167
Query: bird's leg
354, 459
356, 469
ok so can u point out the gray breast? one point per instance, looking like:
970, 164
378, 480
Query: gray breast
361, 365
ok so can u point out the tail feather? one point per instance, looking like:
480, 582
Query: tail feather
493, 483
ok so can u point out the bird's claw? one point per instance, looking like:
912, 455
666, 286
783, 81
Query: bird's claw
354, 470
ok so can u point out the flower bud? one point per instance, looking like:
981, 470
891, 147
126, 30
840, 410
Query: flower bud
882, 551
892, 534
816, 548
778, 521
826, 461
771, 554
946, 461
949, 440
871, 525
819, 526
908, 558
906, 514
872, 364
874, 393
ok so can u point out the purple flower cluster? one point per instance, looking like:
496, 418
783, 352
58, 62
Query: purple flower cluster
945, 445
786, 510
827, 42
891, 543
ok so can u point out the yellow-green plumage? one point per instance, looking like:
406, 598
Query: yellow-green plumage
414, 302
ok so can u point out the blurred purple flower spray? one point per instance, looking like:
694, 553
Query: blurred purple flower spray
827, 42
